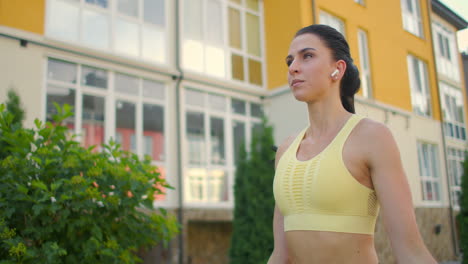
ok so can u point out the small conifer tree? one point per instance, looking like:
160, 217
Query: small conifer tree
13, 106
463, 215
252, 238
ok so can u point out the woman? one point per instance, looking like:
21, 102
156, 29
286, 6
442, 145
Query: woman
332, 178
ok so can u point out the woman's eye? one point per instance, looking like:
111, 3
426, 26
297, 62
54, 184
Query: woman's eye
308, 55
288, 62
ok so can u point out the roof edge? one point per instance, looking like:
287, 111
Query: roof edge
447, 14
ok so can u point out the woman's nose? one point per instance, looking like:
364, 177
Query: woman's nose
293, 67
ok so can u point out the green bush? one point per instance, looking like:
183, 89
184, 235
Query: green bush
463, 215
62, 203
252, 238
13, 106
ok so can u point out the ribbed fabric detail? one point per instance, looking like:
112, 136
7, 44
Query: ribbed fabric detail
320, 193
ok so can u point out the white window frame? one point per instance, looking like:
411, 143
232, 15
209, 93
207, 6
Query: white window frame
455, 159
433, 175
364, 59
447, 65
454, 94
333, 21
110, 97
229, 118
242, 8
419, 85
112, 14
412, 21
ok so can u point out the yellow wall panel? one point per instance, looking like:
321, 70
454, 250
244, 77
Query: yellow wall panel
282, 20
26, 15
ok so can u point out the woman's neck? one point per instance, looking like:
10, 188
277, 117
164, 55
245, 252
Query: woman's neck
325, 118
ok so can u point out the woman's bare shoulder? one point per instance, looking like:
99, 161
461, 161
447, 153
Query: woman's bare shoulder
368, 129
284, 146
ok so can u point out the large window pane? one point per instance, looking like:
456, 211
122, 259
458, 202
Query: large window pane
153, 131
238, 106
239, 139
253, 34
153, 89
332, 21
128, 7
60, 96
126, 84
93, 121
255, 72
59, 13
193, 57
252, 4
194, 98
126, 37
217, 141
217, 102
193, 19
154, 12
95, 77
125, 116
237, 65
196, 179
95, 29
61, 71
235, 40
196, 138
215, 23
154, 44
215, 61
256, 110
217, 186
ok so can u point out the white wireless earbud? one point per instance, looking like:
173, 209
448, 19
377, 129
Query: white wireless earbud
334, 73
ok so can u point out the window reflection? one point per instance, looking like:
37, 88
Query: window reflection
95, 29
125, 124
153, 131
61, 96
126, 39
61, 71
196, 138
94, 77
59, 12
217, 141
92, 131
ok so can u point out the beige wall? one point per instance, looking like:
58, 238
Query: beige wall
22, 68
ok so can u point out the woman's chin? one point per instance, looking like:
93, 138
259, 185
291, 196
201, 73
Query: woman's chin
299, 96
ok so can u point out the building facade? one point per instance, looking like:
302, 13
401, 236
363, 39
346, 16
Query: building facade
186, 81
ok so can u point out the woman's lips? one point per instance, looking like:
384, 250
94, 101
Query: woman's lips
296, 83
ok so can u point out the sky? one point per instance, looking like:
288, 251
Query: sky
461, 8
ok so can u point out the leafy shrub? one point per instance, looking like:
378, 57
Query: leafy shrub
252, 238
62, 203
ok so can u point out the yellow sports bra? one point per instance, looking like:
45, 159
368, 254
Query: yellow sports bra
320, 193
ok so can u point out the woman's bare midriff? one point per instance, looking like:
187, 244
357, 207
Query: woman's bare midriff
319, 247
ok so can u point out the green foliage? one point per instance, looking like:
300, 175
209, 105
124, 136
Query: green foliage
463, 215
252, 238
62, 203
13, 106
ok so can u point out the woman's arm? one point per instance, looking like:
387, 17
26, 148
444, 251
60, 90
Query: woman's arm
280, 252
394, 195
